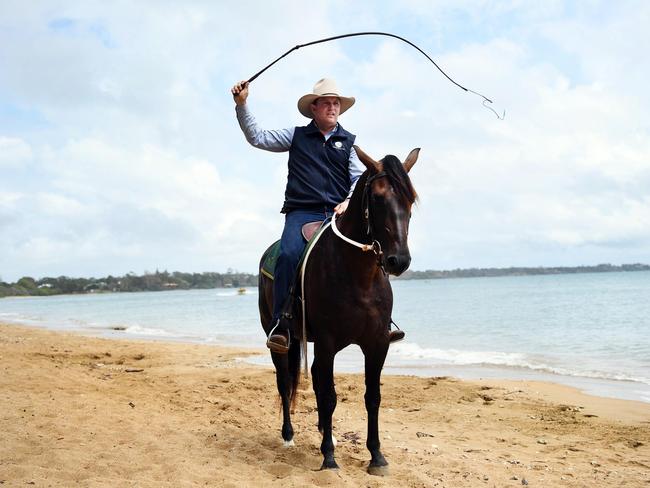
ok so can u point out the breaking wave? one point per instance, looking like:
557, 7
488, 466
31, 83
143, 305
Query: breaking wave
414, 355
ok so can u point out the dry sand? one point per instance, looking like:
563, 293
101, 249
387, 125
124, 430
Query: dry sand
72, 414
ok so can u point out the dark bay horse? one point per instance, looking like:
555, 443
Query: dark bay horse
348, 298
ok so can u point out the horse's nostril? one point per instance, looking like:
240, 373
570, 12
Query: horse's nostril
392, 260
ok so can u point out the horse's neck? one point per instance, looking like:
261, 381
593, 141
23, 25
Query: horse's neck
352, 223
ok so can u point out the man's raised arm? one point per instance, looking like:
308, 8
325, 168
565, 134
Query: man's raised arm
269, 140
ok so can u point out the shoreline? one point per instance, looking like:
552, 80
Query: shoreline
350, 360
103, 412
259, 357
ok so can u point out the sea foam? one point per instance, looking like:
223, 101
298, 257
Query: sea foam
411, 354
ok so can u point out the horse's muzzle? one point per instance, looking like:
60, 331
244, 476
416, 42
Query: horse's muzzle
396, 264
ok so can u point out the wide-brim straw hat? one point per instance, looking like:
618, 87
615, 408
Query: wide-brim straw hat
325, 87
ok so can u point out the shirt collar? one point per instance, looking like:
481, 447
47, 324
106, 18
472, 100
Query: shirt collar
314, 128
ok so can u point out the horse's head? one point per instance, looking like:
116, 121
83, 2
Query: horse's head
387, 199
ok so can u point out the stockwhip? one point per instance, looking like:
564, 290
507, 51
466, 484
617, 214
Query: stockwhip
486, 100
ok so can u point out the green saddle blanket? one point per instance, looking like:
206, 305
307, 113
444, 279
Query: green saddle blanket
273, 252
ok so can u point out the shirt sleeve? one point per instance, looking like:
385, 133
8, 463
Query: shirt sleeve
356, 169
269, 140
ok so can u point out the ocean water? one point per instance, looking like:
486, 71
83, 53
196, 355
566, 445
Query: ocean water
586, 330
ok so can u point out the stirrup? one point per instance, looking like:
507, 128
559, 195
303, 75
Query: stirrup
395, 335
278, 343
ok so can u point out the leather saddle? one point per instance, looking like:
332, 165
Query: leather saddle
309, 231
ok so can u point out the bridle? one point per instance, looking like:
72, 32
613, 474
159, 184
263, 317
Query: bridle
366, 210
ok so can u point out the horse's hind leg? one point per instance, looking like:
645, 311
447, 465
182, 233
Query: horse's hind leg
323, 380
284, 374
374, 362
285, 387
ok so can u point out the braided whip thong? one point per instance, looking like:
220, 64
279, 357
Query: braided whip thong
486, 100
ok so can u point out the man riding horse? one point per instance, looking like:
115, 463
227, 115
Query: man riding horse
323, 170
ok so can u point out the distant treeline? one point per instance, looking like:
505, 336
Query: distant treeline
159, 281
516, 271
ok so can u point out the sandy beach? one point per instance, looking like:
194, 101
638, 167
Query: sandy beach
86, 411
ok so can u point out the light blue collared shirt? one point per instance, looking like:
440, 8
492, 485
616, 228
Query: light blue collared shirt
280, 141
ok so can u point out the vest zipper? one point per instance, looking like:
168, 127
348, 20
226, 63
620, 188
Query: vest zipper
328, 174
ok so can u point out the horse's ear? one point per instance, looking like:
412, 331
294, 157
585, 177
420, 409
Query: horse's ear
411, 159
371, 164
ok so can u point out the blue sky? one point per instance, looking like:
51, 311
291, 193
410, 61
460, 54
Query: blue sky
120, 152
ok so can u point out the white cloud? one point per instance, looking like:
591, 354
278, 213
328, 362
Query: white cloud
136, 161
14, 152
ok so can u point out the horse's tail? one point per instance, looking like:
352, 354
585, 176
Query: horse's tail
294, 358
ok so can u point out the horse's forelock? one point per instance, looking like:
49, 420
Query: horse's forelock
399, 178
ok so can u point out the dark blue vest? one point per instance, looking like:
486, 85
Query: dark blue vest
319, 174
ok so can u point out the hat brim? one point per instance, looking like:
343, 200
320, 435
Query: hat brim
306, 100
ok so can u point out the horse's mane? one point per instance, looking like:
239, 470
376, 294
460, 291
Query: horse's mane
399, 178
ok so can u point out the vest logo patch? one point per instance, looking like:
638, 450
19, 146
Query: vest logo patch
338, 145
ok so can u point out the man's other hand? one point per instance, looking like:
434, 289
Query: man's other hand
341, 207
240, 92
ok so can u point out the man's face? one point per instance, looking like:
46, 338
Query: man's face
326, 111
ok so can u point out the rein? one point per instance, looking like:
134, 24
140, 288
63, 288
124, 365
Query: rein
303, 301
360, 245
375, 246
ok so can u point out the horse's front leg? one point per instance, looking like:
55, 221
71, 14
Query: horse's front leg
374, 362
323, 381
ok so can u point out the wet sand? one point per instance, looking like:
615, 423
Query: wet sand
86, 411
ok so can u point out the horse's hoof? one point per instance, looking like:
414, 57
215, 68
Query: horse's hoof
289, 443
329, 465
378, 470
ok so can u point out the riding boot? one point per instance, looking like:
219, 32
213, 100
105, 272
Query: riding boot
279, 338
